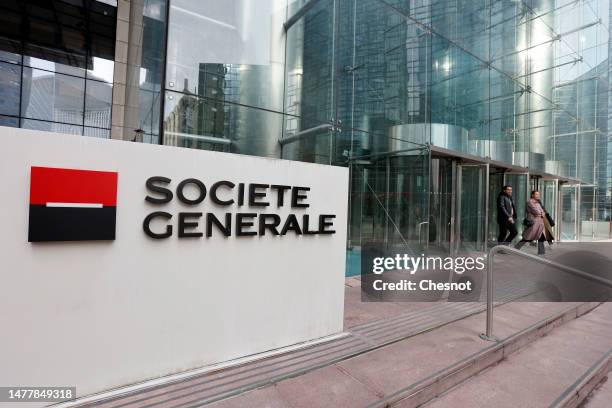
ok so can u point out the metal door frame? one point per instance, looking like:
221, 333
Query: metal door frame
459, 191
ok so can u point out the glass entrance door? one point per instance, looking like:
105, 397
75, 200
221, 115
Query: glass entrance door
550, 199
389, 203
568, 209
472, 209
442, 203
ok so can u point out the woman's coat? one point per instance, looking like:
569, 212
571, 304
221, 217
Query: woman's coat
535, 213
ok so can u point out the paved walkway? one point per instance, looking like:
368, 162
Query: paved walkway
366, 378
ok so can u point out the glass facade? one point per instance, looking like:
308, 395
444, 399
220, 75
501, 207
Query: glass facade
145, 69
56, 65
433, 104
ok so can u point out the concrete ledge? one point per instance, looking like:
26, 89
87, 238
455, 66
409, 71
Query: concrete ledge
440, 382
577, 393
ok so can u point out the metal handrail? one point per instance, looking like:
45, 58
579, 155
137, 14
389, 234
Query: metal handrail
488, 335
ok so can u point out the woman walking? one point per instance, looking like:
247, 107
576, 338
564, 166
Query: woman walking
534, 221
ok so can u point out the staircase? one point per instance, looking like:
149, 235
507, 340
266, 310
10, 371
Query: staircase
557, 370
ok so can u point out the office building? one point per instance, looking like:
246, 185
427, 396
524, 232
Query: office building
433, 105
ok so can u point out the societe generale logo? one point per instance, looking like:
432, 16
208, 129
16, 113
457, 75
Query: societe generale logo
72, 205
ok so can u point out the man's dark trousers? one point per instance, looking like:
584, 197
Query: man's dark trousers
506, 227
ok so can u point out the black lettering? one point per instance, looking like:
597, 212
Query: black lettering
280, 193
240, 194
254, 195
306, 224
201, 188
213, 192
272, 226
297, 196
184, 225
326, 220
291, 224
225, 229
244, 220
152, 186
146, 225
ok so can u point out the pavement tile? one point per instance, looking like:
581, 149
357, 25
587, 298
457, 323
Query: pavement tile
326, 387
267, 397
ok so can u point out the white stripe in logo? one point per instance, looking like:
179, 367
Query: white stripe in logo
75, 205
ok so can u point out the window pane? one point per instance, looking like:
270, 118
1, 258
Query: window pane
205, 123
98, 104
51, 126
8, 121
10, 51
101, 70
52, 97
95, 132
47, 65
10, 81
231, 50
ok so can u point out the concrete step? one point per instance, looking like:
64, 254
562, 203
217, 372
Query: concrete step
557, 370
432, 362
433, 349
364, 334
601, 395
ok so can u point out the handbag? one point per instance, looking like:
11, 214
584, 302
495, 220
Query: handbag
550, 220
527, 222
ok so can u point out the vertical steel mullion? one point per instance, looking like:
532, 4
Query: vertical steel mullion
334, 100
558, 210
162, 88
577, 223
458, 207
427, 168
486, 219
453, 207
387, 184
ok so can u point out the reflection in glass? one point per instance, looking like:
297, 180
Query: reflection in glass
10, 80
52, 97
9, 121
241, 41
51, 126
191, 121
145, 74
98, 104
60, 51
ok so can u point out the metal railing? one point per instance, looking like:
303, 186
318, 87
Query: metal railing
488, 335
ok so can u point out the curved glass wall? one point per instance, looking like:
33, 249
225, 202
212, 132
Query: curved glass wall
224, 75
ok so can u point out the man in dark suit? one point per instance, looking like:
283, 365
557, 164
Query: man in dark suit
506, 216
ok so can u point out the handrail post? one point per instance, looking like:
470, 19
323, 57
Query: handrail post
488, 334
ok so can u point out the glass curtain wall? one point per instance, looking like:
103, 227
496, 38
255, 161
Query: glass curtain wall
56, 65
225, 71
145, 69
378, 85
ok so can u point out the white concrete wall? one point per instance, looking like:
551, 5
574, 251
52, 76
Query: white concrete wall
98, 315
